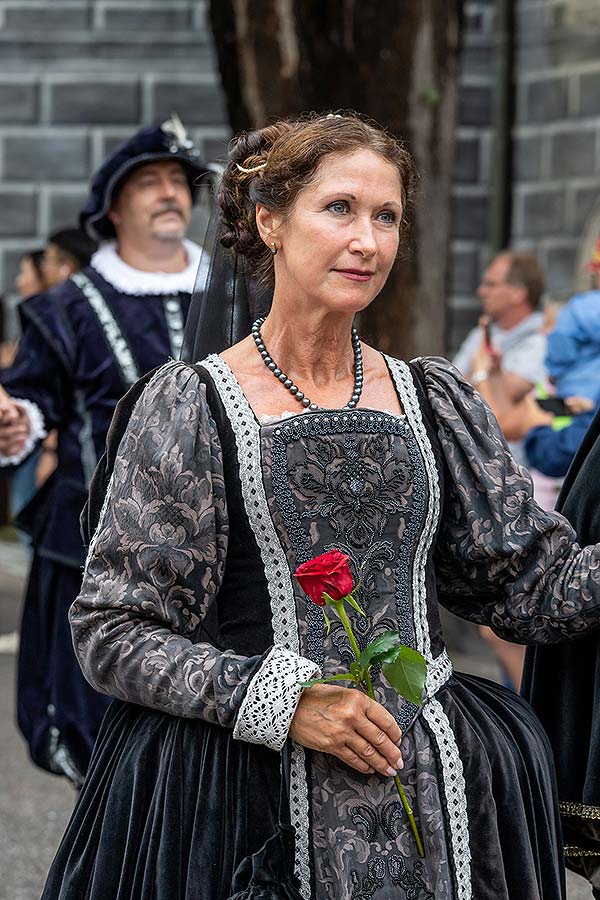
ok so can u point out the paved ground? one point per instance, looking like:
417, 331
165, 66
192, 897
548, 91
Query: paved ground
35, 806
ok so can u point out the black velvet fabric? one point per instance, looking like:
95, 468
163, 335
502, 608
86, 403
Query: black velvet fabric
517, 852
51, 692
268, 874
562, 682
171, 808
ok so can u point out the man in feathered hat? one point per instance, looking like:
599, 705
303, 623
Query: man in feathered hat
83, 344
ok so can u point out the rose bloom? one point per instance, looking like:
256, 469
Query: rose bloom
328, 573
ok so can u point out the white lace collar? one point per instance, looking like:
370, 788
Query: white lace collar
107, 262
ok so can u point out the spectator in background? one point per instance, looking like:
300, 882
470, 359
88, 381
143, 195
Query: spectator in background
67, 251
30, 278
573, 359
29, 282
510, 292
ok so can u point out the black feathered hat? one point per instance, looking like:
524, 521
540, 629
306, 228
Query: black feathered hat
166, 141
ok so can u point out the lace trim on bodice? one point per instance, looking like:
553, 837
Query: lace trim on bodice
433, 713
283, 607
289, 414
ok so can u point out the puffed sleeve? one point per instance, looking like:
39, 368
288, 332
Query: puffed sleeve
156, 563
500, 559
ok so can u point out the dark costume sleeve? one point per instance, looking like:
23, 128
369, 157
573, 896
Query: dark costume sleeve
562, 683
155, 564
41, 374
500, 559
45, 358
552, 452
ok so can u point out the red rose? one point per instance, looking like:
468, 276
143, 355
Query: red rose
328, 573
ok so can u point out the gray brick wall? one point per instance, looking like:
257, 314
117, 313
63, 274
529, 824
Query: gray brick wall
471, 195
555, 142
557, 132
76, 77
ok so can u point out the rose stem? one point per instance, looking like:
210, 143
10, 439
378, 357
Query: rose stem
339, 607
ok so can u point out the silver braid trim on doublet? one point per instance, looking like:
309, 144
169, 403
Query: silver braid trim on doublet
115, 338
453, 781
283, 607
267, 710
175, 324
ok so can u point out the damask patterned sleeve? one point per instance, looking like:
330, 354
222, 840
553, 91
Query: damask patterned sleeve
500, 559
157, 559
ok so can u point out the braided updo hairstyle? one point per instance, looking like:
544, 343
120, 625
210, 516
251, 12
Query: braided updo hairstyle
280, 160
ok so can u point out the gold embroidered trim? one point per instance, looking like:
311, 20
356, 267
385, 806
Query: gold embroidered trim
570, 850
580, 810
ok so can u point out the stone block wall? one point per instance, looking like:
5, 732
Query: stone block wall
555, 187
76, 77
471, 195
556, 136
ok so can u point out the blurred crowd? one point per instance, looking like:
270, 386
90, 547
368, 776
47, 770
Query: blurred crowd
536, 360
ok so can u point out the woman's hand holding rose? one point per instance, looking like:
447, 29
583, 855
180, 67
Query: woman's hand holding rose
348, 724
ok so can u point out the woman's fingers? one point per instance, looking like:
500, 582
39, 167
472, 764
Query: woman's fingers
370, 755
380, 746
379, 716
349, 725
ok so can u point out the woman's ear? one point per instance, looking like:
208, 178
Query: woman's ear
267, 223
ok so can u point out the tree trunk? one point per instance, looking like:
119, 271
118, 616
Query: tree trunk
394, 60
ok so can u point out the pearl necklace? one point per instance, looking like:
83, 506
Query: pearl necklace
294, 389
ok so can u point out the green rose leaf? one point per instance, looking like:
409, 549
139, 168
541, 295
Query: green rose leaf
382, 649
407, 674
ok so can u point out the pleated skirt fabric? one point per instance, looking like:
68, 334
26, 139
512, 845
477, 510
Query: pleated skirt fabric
172, 807
58, 712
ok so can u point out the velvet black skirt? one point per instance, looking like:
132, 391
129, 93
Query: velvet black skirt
58, 712
176, 809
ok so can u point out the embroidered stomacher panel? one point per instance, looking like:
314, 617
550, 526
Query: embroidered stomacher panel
344, 476
433, 713
283, 607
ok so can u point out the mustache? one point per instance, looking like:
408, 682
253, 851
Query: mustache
168, 207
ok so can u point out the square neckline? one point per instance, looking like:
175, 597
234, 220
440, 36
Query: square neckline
322, 410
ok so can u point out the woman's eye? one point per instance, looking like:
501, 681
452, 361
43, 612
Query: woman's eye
338, 207
387, 216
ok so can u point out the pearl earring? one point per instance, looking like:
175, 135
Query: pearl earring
273, 248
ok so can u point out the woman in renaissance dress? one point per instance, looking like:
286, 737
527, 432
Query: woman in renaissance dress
216, 775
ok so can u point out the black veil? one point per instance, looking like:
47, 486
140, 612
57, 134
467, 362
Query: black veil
225, 301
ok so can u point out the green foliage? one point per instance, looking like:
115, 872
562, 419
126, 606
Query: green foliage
406, 674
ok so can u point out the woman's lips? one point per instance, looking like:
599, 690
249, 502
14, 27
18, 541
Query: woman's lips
355, 274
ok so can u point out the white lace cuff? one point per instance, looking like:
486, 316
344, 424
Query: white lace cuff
37, 432
267, 710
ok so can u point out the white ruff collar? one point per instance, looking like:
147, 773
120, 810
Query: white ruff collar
107, 262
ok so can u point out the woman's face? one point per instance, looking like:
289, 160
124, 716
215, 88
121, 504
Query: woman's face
340, 241
28, 281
